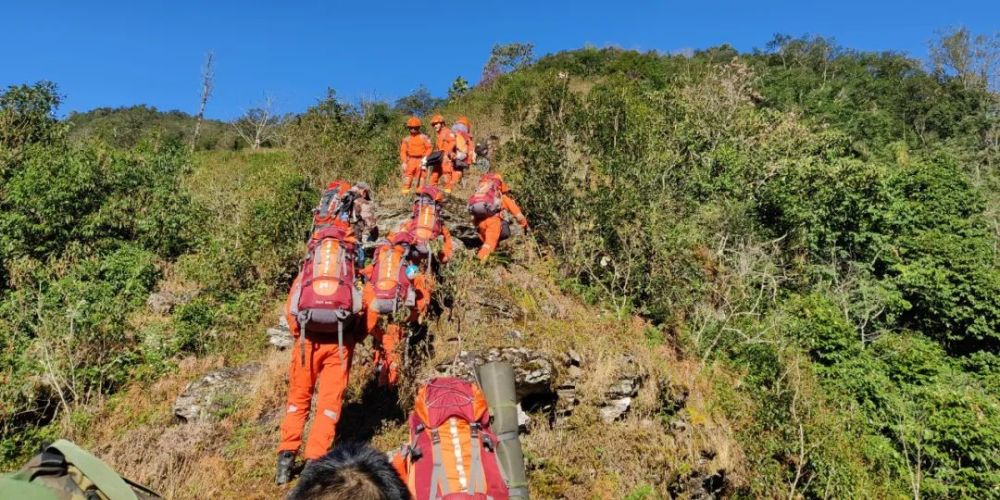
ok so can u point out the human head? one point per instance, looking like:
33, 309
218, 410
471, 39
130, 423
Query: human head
413, 123
348, 472
437, 122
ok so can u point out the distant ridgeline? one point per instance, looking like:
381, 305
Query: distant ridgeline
125, 127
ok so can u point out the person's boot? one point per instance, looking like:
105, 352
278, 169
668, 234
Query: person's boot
286, 462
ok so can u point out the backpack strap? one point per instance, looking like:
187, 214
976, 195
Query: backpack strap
438, 478
106, 480
476, 467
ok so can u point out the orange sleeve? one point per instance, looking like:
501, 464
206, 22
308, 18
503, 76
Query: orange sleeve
423, 293
428, 147
511, 206
447, 249
402, 151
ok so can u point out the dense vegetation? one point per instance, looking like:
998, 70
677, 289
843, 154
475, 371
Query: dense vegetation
127, 127
820, 220
820, 224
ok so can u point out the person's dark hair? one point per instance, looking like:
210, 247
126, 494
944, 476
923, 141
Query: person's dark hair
350, 471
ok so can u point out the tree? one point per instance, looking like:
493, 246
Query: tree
258, 125
207, 77
974, 60
506, 58
27, 114
458, 88
418, 103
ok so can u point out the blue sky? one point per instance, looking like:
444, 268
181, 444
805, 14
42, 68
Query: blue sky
116, 53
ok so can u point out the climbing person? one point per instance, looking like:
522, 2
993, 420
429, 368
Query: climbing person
427, 226
451, 452
463, 443
465, 151
445, 143
488, 207
322, 311
362, 218
413, 151
395, 296
350, 471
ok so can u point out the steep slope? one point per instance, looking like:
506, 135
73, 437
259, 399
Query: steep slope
581, 367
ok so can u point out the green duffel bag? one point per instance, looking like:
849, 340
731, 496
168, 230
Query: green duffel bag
64, 471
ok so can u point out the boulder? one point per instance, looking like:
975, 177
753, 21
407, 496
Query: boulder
209, 397
280, 338
533, 371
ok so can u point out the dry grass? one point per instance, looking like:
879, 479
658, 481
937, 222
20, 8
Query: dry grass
234, 457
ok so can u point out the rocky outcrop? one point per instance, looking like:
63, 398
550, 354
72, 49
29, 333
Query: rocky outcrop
533, 371
280, 336
211, 396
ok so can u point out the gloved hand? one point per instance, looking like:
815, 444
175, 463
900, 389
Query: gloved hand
423, 163
402, 166
524, 223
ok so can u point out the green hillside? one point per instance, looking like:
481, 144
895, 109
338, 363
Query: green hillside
795, 250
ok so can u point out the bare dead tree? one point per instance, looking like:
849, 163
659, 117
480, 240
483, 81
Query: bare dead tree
207, 83
258, 125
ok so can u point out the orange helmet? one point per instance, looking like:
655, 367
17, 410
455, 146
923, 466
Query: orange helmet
464, 121
413, 122
432, 192
437, 119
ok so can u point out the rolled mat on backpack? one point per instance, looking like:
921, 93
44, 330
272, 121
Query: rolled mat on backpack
497, 382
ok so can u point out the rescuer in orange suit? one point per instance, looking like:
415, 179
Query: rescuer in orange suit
387, 359
492, 229
465, 151
445, 142
426, 225
315, 361
412, 152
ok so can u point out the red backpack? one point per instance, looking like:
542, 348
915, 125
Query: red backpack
326, 297
389, 279
452, 451
331, 204
427, 223
488, 198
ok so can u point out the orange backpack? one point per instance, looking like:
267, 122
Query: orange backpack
452, 451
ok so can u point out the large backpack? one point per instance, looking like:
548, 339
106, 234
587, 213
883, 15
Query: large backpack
333, 203
452, 451
63, 470
392, 286
488, 198
465, 152
427, 224
326, 298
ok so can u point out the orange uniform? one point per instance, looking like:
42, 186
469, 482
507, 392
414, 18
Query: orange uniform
414, 148
446, 144
491, 227
465, 146
446, 250
392, 335
319, 363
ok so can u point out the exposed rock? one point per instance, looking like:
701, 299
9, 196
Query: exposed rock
164, 302
206, 398
618, 398
615, 409
574, 372
515, 335
533, 371
280, 338
523, 419
573, 358
701, 485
